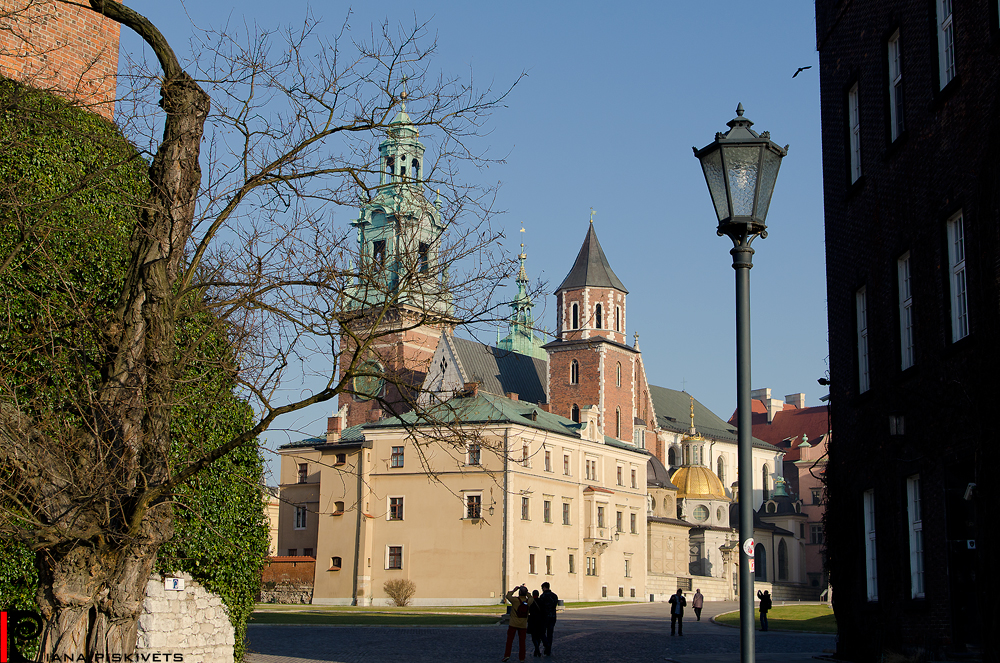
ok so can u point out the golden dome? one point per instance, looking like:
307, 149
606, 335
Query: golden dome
698, 482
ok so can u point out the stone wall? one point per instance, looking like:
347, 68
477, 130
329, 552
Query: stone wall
192, 622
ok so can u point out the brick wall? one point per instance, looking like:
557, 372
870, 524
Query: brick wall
67, 50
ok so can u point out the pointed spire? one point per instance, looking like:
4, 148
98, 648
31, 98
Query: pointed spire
636, 344
591, 267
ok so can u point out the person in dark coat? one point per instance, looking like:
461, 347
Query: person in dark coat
536, 623
550, 603
677, 603
765, 605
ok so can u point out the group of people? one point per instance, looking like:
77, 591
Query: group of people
531, 613
677, 604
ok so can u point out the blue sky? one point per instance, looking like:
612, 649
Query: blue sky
616, 94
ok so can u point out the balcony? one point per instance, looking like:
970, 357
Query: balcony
598, 534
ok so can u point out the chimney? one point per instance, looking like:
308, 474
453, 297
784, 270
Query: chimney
335, 425
798, 400
512, 395
472, 389
772, 405
545, 407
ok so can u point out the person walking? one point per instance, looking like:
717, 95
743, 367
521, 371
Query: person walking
536, 622
520, 604
550, 602
677, 603
697, 602
765, 605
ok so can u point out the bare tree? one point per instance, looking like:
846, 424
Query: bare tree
241, 235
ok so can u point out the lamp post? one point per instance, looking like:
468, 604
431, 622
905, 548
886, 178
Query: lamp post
741, 167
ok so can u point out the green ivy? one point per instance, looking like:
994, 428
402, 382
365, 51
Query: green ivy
69, 245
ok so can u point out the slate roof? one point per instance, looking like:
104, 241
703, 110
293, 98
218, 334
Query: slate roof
591, 267
673, 413
501, 371
657, 475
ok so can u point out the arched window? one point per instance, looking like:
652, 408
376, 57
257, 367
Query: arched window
390, 168
720, 470
782, 560
415, 169
760, 562
618, 423
574, 372
671, 458
618, 318
576, 316
619, 374
597, 317
575, 413
765, 476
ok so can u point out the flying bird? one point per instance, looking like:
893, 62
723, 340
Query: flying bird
801, 69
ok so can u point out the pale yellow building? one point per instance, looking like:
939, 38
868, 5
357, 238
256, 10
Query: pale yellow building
519, 496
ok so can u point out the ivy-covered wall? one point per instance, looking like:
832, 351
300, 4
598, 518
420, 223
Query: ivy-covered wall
69, 186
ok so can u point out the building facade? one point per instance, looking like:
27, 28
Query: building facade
909, 93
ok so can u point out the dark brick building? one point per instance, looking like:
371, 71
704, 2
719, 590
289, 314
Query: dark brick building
909, 98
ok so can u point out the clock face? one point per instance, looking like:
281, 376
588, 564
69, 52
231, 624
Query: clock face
368, 382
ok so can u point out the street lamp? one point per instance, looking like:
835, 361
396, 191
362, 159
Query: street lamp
741, 167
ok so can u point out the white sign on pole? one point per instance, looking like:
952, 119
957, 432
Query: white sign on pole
751, 564
748, 547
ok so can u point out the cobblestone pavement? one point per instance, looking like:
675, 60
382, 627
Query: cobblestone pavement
636, 632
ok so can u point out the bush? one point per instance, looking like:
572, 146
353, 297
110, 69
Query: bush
400, 591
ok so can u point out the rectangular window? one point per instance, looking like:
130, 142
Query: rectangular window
378, 253
473, 506
854, 126
475, 453
548, 565
620, 475
905, 311
566, 464
591, 566
816, 533
300, 517
618, 522
817, 495
526, 455
394, 557
548, 460
531, 562
871, 566
525, 508
566, 513
632, 523
956, 265
308, 552
547, 511
572, 563
916, 537
621, 592
423, 256
303, 472
396, 459
862, 306
895, 88
293, 552
600, 516
395, 508
946, 42
634, 484
628, 568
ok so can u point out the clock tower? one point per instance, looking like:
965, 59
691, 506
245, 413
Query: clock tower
399, 297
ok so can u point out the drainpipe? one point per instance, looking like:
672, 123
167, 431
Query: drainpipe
503, 508
357, 531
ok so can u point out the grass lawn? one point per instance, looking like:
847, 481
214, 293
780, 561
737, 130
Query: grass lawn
809, 617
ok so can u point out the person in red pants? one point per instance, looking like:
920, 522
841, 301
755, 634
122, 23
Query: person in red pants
519, 600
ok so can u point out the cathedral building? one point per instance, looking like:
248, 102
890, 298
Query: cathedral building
526, 461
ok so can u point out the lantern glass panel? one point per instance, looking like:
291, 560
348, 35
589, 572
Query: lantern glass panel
741, 165
769, 174
711, 163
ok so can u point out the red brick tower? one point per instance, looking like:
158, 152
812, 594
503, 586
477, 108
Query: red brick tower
590, 362
66, 50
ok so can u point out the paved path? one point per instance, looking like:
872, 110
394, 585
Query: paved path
632, 633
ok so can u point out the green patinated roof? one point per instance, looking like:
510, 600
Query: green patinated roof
488, 408
591, 267
351, 435
673, 413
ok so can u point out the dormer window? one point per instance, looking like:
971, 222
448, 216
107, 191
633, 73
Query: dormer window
597, 317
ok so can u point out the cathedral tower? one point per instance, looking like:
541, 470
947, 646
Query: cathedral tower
590, 362
401, 280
